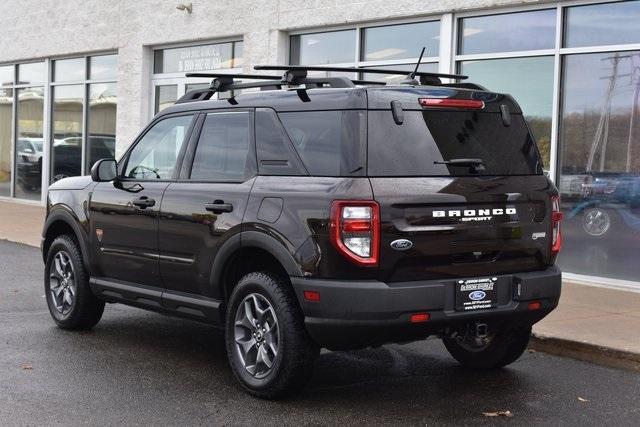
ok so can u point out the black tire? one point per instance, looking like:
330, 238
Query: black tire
86, 310
293, 364
505, 348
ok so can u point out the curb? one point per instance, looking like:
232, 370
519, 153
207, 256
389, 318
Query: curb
586, 352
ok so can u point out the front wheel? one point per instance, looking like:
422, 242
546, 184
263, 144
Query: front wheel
66, 285
268, 347
494, 349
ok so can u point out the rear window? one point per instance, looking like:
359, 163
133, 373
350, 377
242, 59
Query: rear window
330, 143
425, 137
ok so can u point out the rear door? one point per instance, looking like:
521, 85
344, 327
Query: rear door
204, 208
446, 221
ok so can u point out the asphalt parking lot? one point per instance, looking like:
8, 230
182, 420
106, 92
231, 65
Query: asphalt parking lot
139, 368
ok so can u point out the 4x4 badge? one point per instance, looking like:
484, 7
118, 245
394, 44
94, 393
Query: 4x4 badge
402, 244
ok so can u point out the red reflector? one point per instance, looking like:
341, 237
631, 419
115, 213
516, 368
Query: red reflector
557, 216
472, 104
420, 317
356, 225
535, 305
312, 296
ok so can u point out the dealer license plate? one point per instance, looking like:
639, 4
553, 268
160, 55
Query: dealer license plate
476, 294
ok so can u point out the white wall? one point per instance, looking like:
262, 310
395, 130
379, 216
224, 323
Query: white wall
31, 29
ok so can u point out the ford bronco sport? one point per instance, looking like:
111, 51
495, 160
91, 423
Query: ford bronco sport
318, 212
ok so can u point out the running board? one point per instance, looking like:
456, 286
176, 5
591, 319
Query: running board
157, 299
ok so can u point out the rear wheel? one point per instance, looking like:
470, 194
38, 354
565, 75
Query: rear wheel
268, 347
494, 349
71, 303
597, 221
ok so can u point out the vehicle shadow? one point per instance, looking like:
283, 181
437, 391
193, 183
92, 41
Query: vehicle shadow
383, 381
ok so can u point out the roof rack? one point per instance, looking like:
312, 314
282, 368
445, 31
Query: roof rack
223, 82
425, 77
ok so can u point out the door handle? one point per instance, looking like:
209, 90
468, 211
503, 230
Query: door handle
219, 207
144, 202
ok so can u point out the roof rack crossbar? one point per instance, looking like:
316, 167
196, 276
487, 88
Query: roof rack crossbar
373, 70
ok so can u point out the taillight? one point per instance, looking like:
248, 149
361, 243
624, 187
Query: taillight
467, 104
556, 218
355, 230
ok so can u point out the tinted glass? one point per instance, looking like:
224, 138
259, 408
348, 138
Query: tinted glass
535, 98
103, 103
429, 67
165, 97
600, 164
223, 149
6, 75
601, 24
324, 48
32, 73
103, 67
330, 143
401, 41
69, 70
276, 155
30, 140
67, 131
508, 32
412, 148
192, 58
155, 155
6, 115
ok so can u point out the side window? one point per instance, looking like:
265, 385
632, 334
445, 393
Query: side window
223, 151
155, 155
330, 143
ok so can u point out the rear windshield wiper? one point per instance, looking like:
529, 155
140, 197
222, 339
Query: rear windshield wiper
475, 165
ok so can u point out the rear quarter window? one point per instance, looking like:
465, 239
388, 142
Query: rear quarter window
330, 143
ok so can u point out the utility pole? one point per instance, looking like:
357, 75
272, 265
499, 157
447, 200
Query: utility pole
635, 80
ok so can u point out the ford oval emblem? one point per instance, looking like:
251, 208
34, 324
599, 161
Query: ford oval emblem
477, 295
402, 244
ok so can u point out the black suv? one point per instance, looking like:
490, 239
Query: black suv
318, 212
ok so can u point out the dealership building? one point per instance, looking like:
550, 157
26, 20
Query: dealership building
80, 78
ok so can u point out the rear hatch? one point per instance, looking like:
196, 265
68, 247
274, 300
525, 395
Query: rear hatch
486, 215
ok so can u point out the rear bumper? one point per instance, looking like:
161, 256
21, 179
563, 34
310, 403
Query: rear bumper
357, 314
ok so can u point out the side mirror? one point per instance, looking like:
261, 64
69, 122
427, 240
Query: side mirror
104, 170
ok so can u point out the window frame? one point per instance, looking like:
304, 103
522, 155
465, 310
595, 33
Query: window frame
190, 153
123, 163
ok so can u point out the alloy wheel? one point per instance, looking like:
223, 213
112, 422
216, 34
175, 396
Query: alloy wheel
62, 283
257, 335
596, 222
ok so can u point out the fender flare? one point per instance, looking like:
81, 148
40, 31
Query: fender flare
64, 215
251, 239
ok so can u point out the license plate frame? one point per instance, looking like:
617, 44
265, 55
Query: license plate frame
476, 294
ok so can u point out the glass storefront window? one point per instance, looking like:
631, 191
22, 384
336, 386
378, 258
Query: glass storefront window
69, 70
29, 142
193, 58
600, 164
323, 48
401, 41
101, 117
6, 75
535, 98
67, 131
6, 114
602, 24
508, 32
32, 73
165, 96
429, 67
104, 67
238, 54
